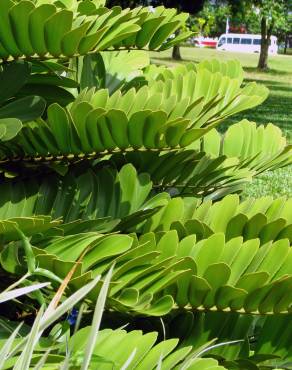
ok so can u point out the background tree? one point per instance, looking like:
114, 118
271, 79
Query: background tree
272, 16
284, 35
192, 7
266, 17
211, 20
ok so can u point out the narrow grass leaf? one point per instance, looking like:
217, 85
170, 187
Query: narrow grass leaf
23, 362
7, 296
51, 315
8, 344
96, 321
42, 361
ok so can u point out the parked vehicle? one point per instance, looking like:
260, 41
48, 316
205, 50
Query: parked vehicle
206, 42
246, 43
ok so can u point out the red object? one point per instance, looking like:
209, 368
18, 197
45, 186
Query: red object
209, 44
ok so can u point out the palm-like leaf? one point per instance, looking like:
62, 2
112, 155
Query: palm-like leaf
28, 225
95, 197
161, 116
184, 254
148, 354
257, 147
262, 218
188, 172
45, 31
228, 163
207, 275
197, 329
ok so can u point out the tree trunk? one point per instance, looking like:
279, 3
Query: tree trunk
286, 43
263, 60
176, 53
266, 33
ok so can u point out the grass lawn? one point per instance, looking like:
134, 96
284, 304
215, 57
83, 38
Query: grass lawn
276, 109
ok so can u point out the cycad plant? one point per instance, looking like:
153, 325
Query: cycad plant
115, 179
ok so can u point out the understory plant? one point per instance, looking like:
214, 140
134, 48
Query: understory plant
124, 240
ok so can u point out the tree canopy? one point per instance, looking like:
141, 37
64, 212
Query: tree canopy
191, 7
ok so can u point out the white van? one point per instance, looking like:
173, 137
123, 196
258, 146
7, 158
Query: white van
245, 43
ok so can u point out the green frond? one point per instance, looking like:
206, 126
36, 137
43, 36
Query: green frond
263, 218
101, 198
230, 68
118, 349
188, 172
28, 225
105, 198
212, 80
160, 116
258, 340
237, 276
259, 148
159, 272
118, 345
29, 31
218, 164
118, 197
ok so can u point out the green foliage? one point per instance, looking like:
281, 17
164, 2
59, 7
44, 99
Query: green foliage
166, 115
45, 31
211, 20
262, 218
117, 195
14, 111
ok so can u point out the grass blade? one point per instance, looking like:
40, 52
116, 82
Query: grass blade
7, 296
52, 314
6, 348
98, 312
23, 361
42, 361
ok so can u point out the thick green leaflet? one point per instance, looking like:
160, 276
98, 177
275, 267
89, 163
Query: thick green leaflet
9, 127
43, 30
55, 29
6, 35
19, 17
12, 77
24, 109
37, 21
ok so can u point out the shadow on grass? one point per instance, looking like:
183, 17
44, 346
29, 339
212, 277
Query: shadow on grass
269, 71
163, 60
275, 109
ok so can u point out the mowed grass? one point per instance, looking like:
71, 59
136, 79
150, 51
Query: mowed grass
276, 109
